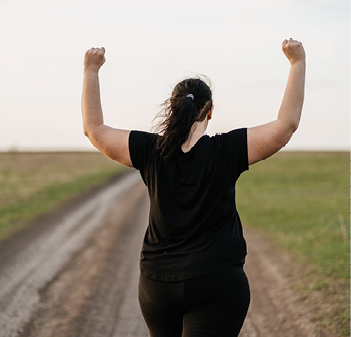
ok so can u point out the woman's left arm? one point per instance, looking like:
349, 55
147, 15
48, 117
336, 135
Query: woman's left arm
265, 140
111, 142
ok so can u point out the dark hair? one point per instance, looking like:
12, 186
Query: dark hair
180, 112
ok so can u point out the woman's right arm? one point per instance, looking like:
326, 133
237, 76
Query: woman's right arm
265, 140
111, 142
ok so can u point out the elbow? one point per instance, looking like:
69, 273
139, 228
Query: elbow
92, 133
87, 134
285, 134
283, 142
286, 130
294, 127
291, 126
288, 135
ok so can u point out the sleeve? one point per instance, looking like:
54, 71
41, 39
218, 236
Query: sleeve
140, 148
235, 144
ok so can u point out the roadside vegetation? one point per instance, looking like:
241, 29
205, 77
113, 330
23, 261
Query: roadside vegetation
33, 183
300, 200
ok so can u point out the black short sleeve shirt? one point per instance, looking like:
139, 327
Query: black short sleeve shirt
194, 227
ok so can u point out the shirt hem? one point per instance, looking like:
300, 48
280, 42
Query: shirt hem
183, 277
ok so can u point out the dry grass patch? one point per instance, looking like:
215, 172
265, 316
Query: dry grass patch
32, 183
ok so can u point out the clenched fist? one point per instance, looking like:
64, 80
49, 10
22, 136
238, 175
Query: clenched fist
293, 50
94, 59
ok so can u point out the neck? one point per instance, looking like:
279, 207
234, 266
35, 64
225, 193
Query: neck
197, 131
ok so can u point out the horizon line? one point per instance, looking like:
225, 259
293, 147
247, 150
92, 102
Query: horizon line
86, 149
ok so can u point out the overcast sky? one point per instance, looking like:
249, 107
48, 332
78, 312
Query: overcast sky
151, 45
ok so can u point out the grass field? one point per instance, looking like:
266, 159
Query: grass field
32, 183
301, 201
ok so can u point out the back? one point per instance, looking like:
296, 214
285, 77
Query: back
194, 228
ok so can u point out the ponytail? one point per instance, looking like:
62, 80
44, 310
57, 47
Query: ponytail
191, 100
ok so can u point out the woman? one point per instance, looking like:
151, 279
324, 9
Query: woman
192, 281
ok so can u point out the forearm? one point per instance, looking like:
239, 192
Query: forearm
291, 106
91, 102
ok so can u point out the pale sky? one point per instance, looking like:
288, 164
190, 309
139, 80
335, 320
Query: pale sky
151, 45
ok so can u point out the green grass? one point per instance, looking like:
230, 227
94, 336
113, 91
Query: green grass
33, 183
301, 201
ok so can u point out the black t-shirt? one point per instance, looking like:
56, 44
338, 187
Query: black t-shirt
194, 227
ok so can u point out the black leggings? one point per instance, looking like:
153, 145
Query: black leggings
212, 305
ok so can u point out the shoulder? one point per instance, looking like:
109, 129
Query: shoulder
136, 135
235, 133
141, 146
232, 137
233, 148
142, 139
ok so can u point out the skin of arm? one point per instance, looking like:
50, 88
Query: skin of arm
111, 142
265, 140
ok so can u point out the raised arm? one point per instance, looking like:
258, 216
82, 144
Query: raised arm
111, 142
265, 140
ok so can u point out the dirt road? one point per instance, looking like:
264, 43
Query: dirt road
74, 273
